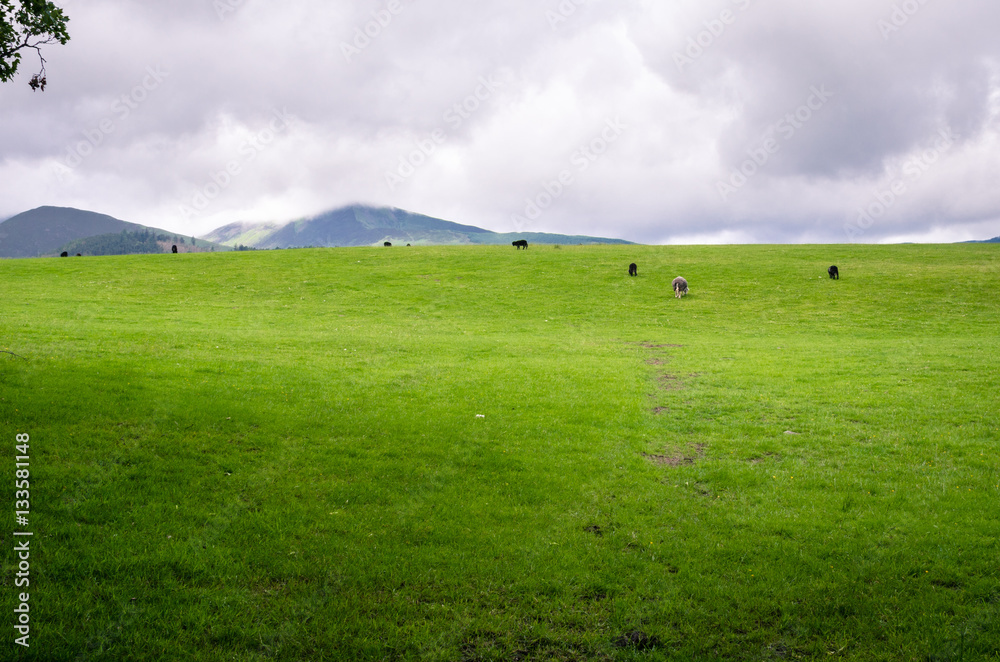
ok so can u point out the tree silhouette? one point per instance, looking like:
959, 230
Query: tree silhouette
26, 25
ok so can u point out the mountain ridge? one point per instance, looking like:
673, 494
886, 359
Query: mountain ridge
47, 230
365, 225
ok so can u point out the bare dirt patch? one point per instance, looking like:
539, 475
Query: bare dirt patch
679, 459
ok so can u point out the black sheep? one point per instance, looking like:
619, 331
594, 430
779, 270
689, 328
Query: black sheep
680, 286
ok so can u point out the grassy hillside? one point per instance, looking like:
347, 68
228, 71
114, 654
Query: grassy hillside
236, 234
476, 453
137, 243
504, 239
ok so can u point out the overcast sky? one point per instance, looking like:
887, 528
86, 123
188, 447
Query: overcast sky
657, 121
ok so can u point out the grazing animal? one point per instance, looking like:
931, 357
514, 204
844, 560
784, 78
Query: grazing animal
519, 244
680, 287
173, 249
387, 244
78, 255
633, 270
834, 272
64, 254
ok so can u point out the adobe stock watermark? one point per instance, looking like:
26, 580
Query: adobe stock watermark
787, 128
899, 18
454, 118
121, 109
365, 34
705, 39
580, 161
883, 199
563, 12
224, 8
22, 550
220, 180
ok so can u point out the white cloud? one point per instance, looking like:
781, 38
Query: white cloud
197, 86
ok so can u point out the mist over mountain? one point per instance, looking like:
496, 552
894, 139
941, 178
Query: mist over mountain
362, 225
47, 230
242, 233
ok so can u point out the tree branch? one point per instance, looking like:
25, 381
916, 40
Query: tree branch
29, 25
4, 351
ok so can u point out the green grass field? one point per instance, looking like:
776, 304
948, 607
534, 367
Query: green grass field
476, 453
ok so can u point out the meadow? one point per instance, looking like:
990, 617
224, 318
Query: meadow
477, 453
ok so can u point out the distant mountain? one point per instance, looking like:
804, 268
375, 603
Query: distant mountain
41, 231
137, 243
47, 231
50, 230
247, 234
361, 225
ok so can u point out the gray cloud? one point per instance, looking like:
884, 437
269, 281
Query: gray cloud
477, 108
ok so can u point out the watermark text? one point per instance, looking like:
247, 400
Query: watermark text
759, 155
581, 160
22, 546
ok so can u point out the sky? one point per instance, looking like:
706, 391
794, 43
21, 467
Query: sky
655, 121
